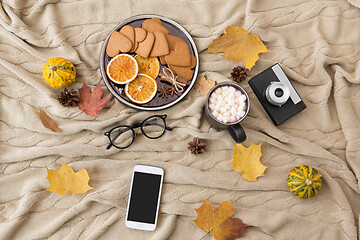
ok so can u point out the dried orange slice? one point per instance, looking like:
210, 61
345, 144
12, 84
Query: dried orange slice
142, 89
149, 66
122, 69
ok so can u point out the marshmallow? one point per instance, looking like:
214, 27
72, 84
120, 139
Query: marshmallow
244, 107
223, 110
215, 114
227, 119
220, 118
218, 91
242, 98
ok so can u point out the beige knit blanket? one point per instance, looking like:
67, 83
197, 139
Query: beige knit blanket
316, 43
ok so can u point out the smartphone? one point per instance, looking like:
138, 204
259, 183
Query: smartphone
144, 197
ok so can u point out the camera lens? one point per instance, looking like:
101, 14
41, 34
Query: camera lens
279, 92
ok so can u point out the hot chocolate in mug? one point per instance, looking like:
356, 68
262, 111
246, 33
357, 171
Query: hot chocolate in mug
227, 104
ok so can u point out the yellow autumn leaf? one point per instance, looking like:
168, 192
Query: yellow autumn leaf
218, 222
203, 85
238, 45
247, 161
66, 180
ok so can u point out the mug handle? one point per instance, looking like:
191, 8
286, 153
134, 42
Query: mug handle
237, 133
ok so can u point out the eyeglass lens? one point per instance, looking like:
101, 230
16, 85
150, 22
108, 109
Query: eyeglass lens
153, 127
121, 136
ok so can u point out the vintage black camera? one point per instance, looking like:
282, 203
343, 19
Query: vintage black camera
276, 93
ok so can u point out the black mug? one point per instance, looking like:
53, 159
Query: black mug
234, 128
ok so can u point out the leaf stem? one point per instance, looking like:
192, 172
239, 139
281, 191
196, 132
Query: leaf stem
78, 214
205, 235
75, 115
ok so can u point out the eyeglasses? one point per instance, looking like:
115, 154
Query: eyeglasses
123, 136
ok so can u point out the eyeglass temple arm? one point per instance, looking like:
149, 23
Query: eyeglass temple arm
109, 146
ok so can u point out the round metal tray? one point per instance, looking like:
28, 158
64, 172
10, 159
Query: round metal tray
157, 103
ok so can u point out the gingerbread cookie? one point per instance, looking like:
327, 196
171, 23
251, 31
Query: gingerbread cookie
158, 20
117, 43
146, 46
162, 60
193, 61
180, 56
160, 47
135, 46
183, 72
172, 40
129, 32
140, 34
152, 25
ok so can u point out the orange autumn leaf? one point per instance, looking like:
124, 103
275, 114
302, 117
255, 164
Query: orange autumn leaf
219, 222
91, 103
66, 180
203, 85
247, 161
48, 122
238, 45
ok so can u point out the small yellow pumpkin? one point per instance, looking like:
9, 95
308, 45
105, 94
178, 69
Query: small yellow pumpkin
304, 181
59, 72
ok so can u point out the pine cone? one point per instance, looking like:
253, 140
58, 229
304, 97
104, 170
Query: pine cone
68, 98
238, 74
197, 146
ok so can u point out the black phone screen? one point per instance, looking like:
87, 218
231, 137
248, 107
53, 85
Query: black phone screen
144, 197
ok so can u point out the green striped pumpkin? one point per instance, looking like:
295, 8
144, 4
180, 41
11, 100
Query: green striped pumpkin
304, 181
59, 72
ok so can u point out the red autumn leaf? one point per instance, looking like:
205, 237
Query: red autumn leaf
91, 103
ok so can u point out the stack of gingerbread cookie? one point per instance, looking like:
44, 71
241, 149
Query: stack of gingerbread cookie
154, 40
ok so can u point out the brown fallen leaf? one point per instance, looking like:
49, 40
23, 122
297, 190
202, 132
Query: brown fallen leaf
238, 45
91, 103
66, 180
48, 122
219, 222
247, 161
203, 85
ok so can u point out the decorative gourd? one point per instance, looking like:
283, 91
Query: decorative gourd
304, 181
59, 72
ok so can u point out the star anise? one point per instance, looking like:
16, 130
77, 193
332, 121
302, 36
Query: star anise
68, 98
238, 74
197, 146
164, 92
173, 91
